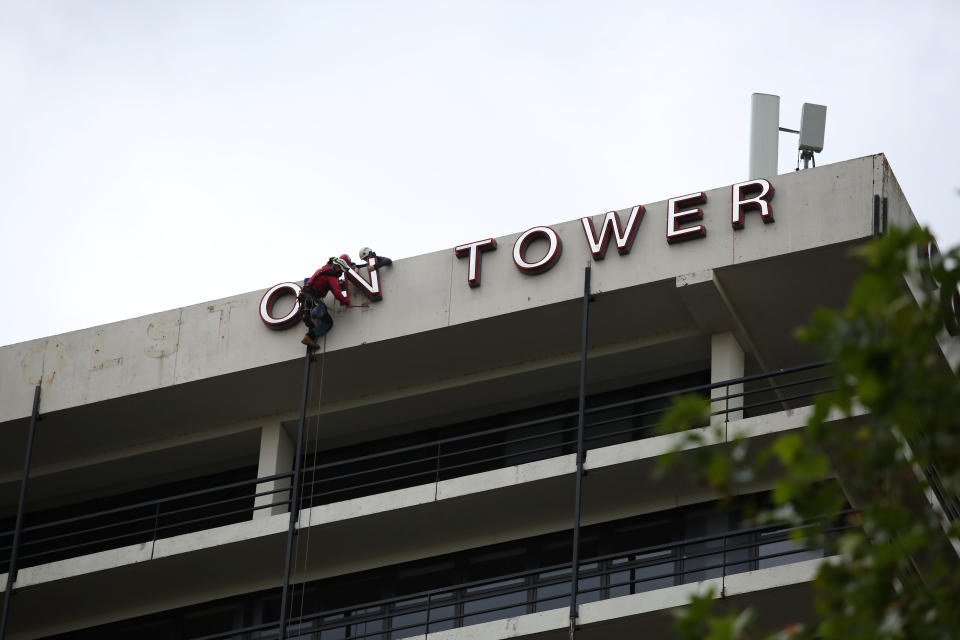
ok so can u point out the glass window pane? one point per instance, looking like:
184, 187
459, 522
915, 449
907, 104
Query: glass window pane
333, 628
330, 634
739, 551
784, 551
412, 602
304, 632
651, 573
496, 607
370, 625
589, 587
408, 624
555, 593
698, 561
700, 564
442, 618
618, 582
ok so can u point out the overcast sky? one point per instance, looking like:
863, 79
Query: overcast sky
156, 154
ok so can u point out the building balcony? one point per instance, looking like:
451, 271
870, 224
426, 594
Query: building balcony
487, 485
616, 589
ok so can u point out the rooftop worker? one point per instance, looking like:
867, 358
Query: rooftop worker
381, 261
348, 260
313, 311
345, 263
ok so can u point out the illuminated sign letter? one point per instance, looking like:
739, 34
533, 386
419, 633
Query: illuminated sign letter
475, 250
548, 260
370, 289
611, 226
274, 293
762, 193
676, 217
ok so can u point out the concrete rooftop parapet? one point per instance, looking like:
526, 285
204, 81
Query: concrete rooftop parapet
828, 205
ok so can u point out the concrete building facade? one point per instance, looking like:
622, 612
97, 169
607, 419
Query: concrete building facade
439, 465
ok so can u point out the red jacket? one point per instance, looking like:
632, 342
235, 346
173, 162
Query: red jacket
323, 280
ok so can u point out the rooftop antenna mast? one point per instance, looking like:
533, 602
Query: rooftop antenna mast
765, 131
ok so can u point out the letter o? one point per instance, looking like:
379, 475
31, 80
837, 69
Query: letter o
274, 293
544, 263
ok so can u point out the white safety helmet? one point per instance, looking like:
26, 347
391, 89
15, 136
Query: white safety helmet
365, 253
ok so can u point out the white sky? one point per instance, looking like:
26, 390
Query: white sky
155, 154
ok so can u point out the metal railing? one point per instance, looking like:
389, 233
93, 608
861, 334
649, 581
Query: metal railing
545, 588
144, 521
550, 436
403, 466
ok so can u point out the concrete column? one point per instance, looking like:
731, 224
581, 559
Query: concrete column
726, 363
276, 456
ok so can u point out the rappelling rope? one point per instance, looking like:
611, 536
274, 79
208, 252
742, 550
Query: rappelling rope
313, 476
294, 508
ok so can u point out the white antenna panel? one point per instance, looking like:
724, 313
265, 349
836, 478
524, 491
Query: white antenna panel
813, 121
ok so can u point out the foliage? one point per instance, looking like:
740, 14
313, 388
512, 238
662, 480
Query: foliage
889, 426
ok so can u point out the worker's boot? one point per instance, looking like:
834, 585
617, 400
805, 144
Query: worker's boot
310, 342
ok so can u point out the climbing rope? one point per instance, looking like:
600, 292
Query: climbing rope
312, 484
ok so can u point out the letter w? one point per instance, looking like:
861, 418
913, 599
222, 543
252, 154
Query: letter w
598, 246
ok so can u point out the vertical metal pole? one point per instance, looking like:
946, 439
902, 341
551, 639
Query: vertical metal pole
723, 563
581, 454
295, 494
876, 216
14, 551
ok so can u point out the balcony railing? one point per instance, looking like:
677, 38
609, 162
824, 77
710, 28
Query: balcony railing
403, 466
545, 588
352, 476
142, 521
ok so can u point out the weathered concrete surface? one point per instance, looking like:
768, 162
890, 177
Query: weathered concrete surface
828, 205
